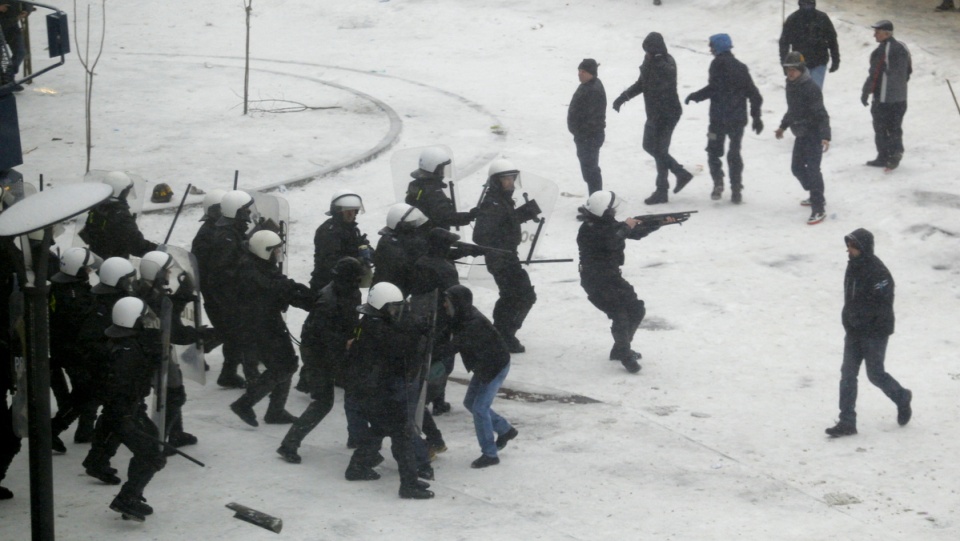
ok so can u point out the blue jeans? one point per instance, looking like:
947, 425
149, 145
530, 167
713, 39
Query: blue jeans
478, 400
870, 350
818, 74
805, 165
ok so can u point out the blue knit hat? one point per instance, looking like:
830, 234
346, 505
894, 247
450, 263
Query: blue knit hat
721, 43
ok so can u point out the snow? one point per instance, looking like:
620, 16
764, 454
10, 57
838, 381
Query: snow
720, 436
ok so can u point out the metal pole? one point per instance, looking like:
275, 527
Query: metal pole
38, 397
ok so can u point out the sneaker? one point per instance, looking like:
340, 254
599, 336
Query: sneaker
683, 178
841, 429
425, 472
440, 407
231, 381
878, 162
181, 439
245, 413
128, 508
656, 198
904, 411
805, 203
5, 494
289, 454
484, 461
816, 217
57, 446
282, 418
504, 438
415, 492
717, 192
736, 198
360, 473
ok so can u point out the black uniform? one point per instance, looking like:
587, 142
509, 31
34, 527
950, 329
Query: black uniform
428, 195
587, 121
326, 331
601, 242
498, 226
396, 256
266, 295
729, 88
9, 442
111, 231
807, 118
334, 240
658, 84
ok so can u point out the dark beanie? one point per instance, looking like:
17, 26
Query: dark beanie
589, 65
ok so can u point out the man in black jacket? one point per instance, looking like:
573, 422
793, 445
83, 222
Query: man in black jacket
810, 32
326, 335
658, 84
586, 120
426, 191
890, 68
339, 237
401, 244
728, 89
808, 120
111, 230
602, 240
498, 226
485, 354
868, 321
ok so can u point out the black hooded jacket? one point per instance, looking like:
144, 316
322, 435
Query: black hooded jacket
657, 82
810, 32
806, 116
728, 89
476, 339
867, 290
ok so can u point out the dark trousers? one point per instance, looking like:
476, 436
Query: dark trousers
320, 382
388, 418
888, 129
656, 142
807, 154
227, 330
517, 297
716, 139
9, 442
588, 152
872, 350
616, 298
82, 404
274, 381
135, 430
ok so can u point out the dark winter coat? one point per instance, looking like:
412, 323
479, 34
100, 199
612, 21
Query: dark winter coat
129, 375
434, 271
481, 347
9, 255
657, 82
396, 256
890, 69
867, 291
811, 32
71, 303
729, 87
202, 250
587, 114
602, 240
498, 226
266, 295
93, 341
334, 240
430, 198
806, 116
383, 356
111, 231
10, 17
330, 324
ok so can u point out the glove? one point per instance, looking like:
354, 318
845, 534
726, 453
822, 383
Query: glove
474, 212
865, 99
757, 125
688, 100
835, 65
529, 210
618, 102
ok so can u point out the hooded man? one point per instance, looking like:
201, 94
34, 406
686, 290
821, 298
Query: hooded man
729, 88
658, 84
868, 320
810, 32
808, 120
890, 69
587, 120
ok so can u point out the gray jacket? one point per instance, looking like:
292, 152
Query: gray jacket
890, 69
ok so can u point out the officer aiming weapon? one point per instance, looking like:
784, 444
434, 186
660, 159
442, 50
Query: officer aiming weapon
664, 219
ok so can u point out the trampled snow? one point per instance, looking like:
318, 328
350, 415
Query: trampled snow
720, 436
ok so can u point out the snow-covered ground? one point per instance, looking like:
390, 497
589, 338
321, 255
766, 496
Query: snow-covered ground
720, 436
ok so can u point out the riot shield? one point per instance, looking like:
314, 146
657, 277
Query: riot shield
529, 187
273, 213
403, 162
424, 307
18, 354
189, 357
159, 413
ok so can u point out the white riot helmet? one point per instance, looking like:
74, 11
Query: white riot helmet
264, 244
433, 164
405, 216
602, 203
384, 299
502, 168
345, 200
212, 199
129, 315
154, 264
121, 183
116, 274
74, 265
234, 203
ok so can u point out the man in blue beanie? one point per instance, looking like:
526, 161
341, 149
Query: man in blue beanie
729, 87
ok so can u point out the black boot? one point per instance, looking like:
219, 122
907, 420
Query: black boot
415, 492
244, 412
128, 506
289, 454
656, 198
683, 178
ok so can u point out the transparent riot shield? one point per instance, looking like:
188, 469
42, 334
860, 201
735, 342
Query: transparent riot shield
189, 356
273, 213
